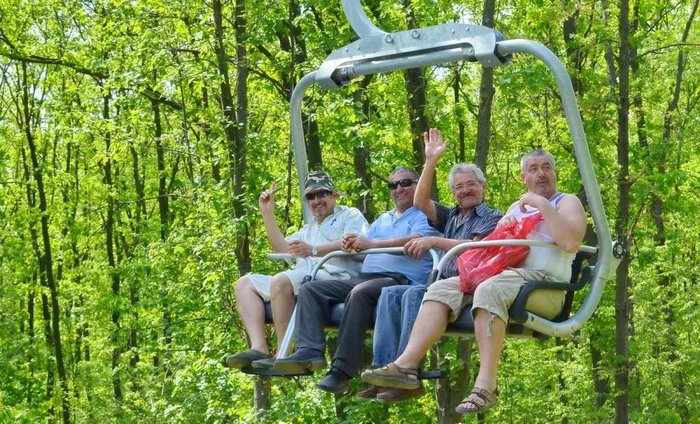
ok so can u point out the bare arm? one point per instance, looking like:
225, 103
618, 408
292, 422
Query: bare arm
302, 249
267, 210
434, 149
354, 242
417, 247
566, 223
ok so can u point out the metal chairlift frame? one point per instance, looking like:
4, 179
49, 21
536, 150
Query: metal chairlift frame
378, 51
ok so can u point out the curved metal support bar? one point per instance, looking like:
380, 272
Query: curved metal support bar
604, 264
280, 256
392, 250
486, 243
358, 19
297, 133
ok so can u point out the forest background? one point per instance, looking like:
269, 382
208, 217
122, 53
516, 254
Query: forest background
136, 137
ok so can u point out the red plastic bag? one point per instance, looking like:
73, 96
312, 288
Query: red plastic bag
481, 263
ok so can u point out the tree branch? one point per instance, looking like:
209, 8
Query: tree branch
668, 47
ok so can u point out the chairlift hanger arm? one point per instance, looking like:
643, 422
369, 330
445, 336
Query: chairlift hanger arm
378, 51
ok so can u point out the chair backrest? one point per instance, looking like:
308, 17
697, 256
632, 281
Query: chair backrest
580, 276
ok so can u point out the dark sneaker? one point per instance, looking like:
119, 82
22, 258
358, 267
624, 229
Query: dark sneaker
389, 395
370, 393
300, 361
266, 363
335, 382
244, 359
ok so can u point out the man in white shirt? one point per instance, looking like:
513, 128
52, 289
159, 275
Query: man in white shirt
307, 245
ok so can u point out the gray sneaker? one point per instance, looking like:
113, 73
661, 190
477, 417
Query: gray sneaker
266, 363
244, 359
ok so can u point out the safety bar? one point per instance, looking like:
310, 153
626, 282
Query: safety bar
512, 242
289, 335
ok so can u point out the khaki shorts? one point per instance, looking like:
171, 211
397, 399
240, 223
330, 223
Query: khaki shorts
497, 294
262, 283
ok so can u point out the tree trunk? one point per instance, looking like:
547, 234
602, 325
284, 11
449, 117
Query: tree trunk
45, 311
46, 258
362, 151
622, 305
456, 91
31, 299
136, 228
416, 91
609, 53
241, 121
111, 259
450, 390
486, 93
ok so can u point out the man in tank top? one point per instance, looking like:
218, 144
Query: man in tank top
563, 222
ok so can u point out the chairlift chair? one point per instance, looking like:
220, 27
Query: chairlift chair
377, 51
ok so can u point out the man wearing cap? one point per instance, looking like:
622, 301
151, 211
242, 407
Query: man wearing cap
360, 294
307, 245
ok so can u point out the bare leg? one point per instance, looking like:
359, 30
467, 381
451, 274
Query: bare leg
430, 325
282, 299
490, 347
251, 309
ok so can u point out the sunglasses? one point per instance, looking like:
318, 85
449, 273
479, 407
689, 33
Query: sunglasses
406, 182
319, 194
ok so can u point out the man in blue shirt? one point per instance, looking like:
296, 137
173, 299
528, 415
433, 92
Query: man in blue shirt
469, 219
360, 294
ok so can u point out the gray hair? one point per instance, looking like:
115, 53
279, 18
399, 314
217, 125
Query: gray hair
465, 168
535, 154
414, 174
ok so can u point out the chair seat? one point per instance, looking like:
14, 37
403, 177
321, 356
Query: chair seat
462, 327
336, 315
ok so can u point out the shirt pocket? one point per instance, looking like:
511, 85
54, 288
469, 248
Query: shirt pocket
332, 232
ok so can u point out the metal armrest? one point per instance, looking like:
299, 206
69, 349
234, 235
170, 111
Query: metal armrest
511, 242
517, 310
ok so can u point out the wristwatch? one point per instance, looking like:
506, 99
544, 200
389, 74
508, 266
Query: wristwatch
314, 250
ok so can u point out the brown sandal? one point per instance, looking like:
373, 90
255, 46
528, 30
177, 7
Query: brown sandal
394, 376
479, 400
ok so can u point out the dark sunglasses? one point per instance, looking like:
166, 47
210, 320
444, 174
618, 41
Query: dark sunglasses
406, 182
319, 194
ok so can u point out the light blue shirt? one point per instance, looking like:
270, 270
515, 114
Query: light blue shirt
387, 226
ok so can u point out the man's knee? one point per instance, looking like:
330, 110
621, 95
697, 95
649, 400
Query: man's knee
281, 286
242, 285
365, 292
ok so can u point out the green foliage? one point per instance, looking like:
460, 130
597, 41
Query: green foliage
94, 74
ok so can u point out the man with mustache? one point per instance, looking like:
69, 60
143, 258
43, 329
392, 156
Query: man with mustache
470, 219
563, 223
308, 245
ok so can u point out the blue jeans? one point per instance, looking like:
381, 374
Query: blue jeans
397, 310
